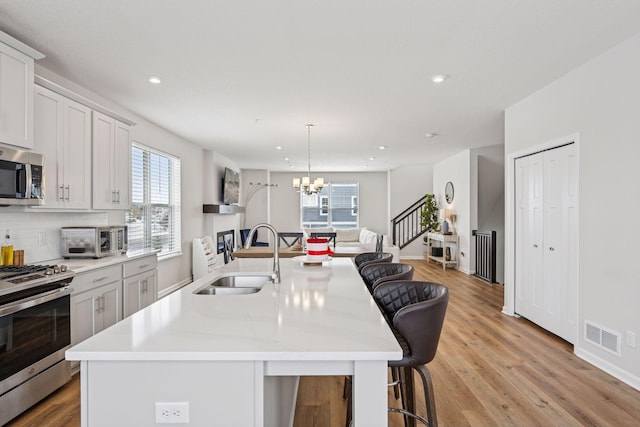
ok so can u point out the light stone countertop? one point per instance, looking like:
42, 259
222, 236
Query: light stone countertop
316, 313
82, 265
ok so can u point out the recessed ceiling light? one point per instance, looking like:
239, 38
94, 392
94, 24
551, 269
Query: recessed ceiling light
156, 80
292, 166
372, 158
383, 147
439, 78
431, 135
278, 148
285, 158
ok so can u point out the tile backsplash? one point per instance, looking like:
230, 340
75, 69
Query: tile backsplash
38, 233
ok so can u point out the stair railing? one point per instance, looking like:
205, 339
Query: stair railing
406, 226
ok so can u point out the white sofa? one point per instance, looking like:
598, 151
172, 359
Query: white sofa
362, 238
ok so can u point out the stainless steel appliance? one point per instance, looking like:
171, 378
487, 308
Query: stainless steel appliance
35, 331
93, 242
20, 177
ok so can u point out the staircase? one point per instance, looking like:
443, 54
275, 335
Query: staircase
406, 226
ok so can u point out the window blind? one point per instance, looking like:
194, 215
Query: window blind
154, 220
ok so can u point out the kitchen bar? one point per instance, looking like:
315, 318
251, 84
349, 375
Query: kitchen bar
237, 358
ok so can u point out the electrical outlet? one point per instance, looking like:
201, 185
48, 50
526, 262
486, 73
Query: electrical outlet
631, 339
172, 412
42, 239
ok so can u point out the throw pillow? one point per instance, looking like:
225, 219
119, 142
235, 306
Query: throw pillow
348, 235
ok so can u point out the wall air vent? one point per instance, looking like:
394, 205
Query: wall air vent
602, 337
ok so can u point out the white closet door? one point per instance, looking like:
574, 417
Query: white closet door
546, 225
561, 242
529, 235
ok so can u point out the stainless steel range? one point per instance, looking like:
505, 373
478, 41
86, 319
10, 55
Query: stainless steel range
35, 331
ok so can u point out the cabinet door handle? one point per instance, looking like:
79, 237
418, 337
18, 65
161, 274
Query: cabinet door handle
61, 196
98, 304
113, 197
144, 266
99, 279
118, 196
68, 193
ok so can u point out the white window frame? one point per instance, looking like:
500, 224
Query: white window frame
174, 204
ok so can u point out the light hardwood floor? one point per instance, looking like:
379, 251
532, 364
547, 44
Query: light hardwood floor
490, 370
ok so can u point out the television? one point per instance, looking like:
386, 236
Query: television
230, 186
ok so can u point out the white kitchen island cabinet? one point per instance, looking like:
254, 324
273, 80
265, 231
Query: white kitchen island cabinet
236, 359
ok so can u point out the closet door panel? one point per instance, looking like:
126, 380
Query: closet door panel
560, 242
529, 223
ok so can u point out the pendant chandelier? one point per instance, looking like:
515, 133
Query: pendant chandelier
304, 184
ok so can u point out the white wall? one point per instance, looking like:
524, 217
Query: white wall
170, 271
600, 101
407, 184
457, 169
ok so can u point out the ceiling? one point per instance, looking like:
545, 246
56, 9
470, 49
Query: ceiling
244, 76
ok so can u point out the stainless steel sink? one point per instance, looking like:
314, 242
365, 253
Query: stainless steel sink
234, 285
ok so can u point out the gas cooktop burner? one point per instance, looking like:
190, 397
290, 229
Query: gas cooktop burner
7, 271
19, 277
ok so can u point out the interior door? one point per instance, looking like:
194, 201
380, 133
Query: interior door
546, 225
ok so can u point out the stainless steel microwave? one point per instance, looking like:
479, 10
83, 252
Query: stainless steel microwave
21, 174
93, 242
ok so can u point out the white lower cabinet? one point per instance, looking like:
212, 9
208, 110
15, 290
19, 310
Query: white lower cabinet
140, 284
139, 291
102, 298
95, 302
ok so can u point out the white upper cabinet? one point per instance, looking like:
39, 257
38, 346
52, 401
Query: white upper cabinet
16, 97
111, 163
62, 132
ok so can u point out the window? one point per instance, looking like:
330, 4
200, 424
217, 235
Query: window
154, 219
324, 205
336, 205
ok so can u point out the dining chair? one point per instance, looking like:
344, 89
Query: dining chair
290, 238
330, 236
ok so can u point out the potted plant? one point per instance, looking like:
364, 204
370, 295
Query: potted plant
429, 214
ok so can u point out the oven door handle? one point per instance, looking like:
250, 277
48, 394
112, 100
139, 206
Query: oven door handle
36, 300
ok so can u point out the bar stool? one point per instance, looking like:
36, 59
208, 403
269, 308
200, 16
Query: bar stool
367, 258
417, 311
377, 273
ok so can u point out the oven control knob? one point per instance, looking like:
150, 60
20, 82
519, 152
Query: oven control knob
48, 271
56, 269
63, 268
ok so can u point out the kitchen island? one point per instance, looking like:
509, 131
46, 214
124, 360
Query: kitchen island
235, 360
